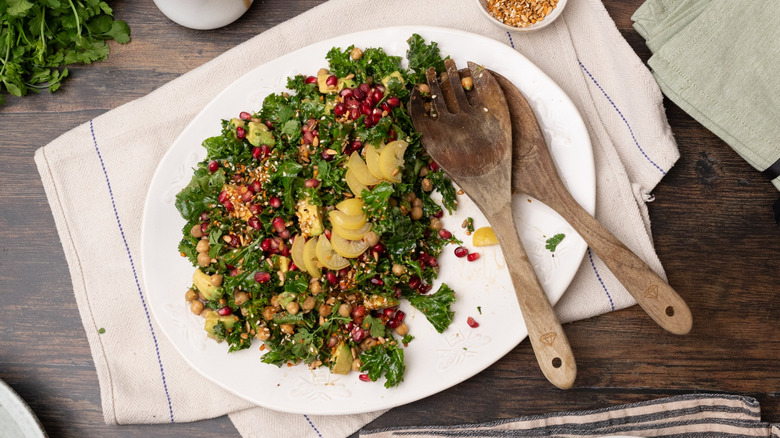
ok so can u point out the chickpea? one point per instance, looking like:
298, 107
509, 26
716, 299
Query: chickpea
436, 224
309, 303
417, 202
426, 184
203, 259
240, 297
402, 329
467, 83
325, 309
410, 197
263, 333
292, 307
371, 238
356, 53
398, 269
196, 307
315, 287
356, 363
190, 295
216, 279
203, 246
367, 343
196, 232
345, 310
287, 329
423, 88
424, 171
275, 301
417, 213
268, 313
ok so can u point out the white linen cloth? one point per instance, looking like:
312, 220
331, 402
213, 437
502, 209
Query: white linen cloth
96, 178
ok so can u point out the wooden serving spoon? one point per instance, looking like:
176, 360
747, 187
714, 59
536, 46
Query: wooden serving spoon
534, 173
472, 142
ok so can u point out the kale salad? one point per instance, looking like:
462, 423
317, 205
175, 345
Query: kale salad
311, 219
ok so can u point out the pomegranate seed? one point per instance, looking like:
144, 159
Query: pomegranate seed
433, 166
354, 113
240, 133
255, 186
311, 183
364, 377
393, 102
311, 80
284, 234
285, 249
461, 252
369, 101
269, 124
326, 156
228, 206
393, 323
275, 202
327, 233
399, 316
388, 312
376, 112
308, 138
254, 222
378, 248
472, 322
375, 118
204, 227
473, 256
359, 312
415, 282
424, 289
439, 214
444, 234
391, 135
225, 311
365, 108
262, 277
345, 93
432, 261
332, 278
266, 244
265, 150
293, 266
343, 272
233, 272
234, 241
237, 177
255, 209
256, 153
278, 224
204, 216
213, 166
358, 94
364, 88
377, 95
350, 325
340, 109
222, 197
376, 281
358, 335
331, 81
247, 196
244, 115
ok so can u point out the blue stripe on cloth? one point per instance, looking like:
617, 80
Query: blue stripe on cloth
598, 276
312, 425
622, 117
135, 274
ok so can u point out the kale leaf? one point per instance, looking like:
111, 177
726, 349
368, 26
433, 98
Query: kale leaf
384, 359
435, 307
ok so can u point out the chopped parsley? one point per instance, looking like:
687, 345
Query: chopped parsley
552, 242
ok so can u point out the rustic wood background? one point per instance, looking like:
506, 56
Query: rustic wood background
712, 225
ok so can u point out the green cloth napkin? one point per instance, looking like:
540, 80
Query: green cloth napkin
719, 60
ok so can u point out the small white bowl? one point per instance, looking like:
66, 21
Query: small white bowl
203, 14
546, 21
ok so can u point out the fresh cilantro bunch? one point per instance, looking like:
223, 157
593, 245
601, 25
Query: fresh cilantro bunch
38, 38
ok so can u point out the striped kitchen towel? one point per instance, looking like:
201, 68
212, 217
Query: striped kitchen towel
692, 415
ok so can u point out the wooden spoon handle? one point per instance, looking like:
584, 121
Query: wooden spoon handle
548, 339
653, 294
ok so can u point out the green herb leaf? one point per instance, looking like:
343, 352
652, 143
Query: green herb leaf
552, 242
435, 307
384, 359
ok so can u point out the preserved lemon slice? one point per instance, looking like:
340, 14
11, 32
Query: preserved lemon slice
391, 159
349, 222
310, 258
296, 252
354, 184
351, 206
352, 234
372, 159
484, 236
350, 249
360, 170
327, 256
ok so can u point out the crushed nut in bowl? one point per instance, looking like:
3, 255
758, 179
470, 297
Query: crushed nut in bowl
522, 15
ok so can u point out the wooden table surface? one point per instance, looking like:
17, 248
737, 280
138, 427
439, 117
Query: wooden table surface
711, 221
